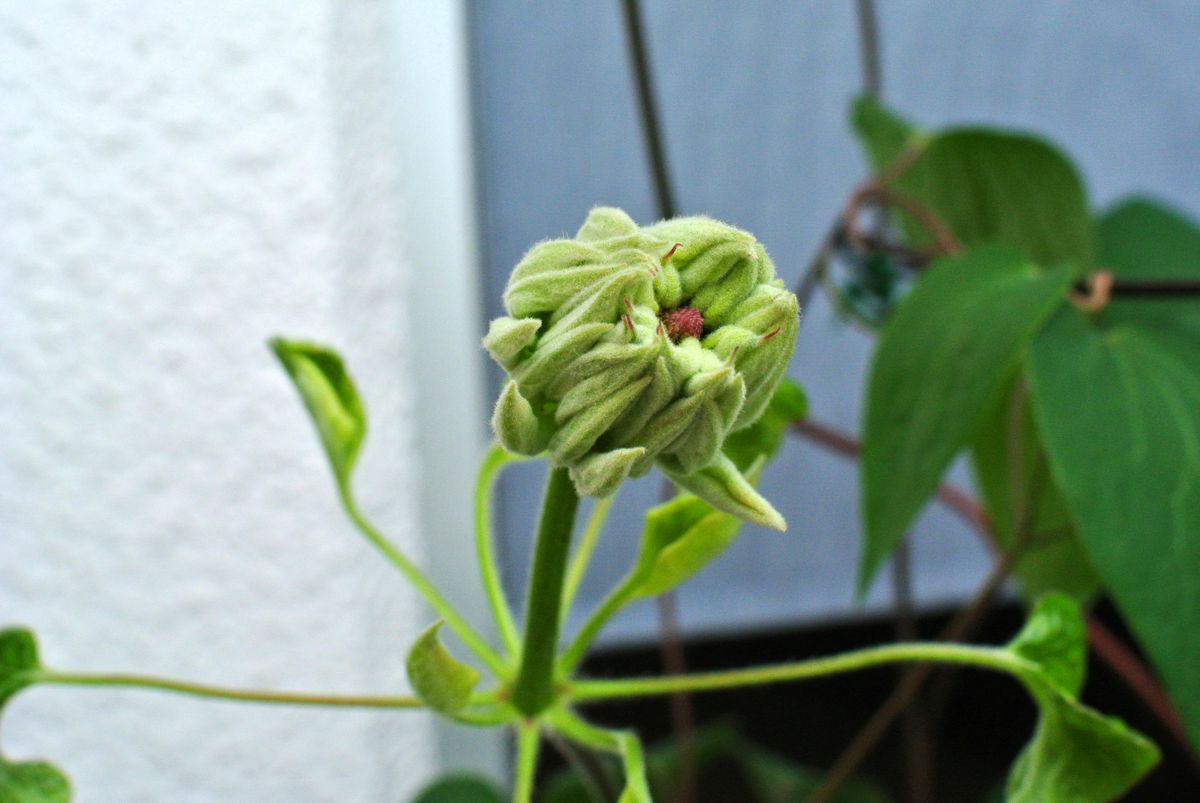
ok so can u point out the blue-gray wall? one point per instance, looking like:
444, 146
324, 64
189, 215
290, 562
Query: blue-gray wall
754, 98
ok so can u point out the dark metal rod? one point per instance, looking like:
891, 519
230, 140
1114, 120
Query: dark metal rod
635, 38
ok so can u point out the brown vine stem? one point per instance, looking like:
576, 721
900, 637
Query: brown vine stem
1107, 647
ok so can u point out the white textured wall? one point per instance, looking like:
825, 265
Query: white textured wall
177, 182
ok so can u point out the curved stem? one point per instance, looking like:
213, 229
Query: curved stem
533, 690
154, 683
496, 458
994, 658
583, 553
528, 743
453, 618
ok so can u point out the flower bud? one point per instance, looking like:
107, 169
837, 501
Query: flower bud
629, 346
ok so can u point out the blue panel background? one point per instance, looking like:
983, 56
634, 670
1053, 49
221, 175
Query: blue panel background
754, 102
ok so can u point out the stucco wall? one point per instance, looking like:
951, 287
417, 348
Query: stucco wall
180, 181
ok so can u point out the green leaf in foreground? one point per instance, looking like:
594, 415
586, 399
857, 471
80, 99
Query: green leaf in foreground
33, 782
942, 362
882, 133
1076, 755
330, 396
461, 788
765, 436
18, 661
441, 681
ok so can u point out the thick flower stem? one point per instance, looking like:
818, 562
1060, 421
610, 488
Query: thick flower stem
534, 687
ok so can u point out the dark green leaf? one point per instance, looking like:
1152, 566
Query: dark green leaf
461, 788
882, 133
993, 186
33, 782
765, 435
942, 362
441, 681
18, 661
1024, 503
1076, 755
332, 401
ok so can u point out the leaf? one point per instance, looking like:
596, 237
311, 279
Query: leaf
942, 362
992, 186
681, 537
1014, 479
441, 681
1076, 755
19, 661
882, 133
461, 788
1117, 396
765, 436
1055, 639
332, 401
33, 782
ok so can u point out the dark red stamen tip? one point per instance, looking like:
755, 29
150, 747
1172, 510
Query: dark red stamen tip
683, 322
628, 322
671, 253
772, 333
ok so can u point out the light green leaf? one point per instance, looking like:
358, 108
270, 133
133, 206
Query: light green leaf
943, 360
19, 661
883, 134
765, 436
1076, 755
33, 782
1022, 499
460, 788
332, 401
441, 681
1055, 639
1117, 396
992, 186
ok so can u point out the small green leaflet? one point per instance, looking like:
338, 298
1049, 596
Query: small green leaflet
765, 436
461, 788
883, 133
1117, 398
29, 781
18, 661
942, 362
441, 681
1076, 755
332, 401
33, 782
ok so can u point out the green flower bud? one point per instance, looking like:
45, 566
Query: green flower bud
629, 346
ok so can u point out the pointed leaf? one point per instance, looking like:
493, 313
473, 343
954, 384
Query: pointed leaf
723, 486
332, 401
882, 133
942, 362
441, 681
33, 782
18, 661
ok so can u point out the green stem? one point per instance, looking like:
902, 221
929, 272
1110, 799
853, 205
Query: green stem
995, 658
624, 743
534, 687
583, 553
528, 743
497, 457
152, 683
607, 609
415, 576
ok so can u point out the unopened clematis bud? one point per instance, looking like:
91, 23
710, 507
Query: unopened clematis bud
629, 346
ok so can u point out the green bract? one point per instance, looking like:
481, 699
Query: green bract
629, 346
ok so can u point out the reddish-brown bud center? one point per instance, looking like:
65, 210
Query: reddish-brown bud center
682, 322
